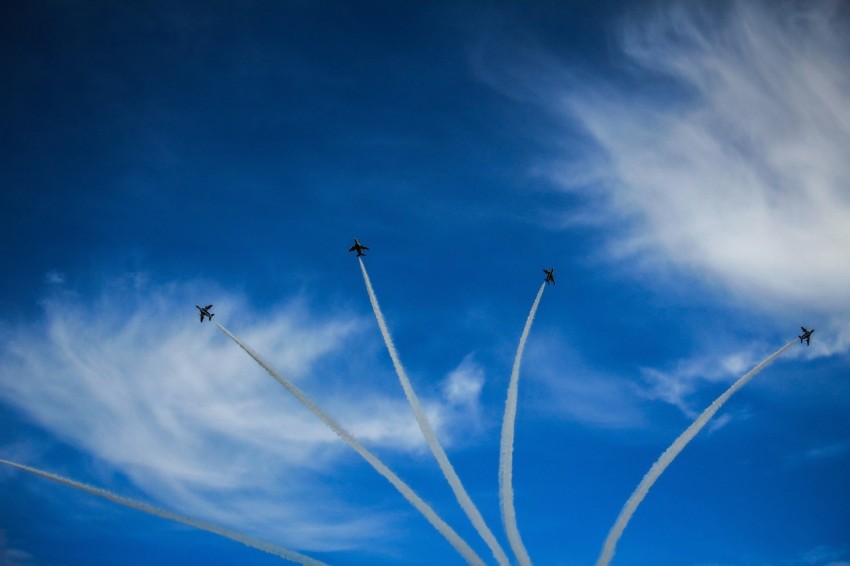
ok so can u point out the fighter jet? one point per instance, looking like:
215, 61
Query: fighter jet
359, 247
205, 312
807, 335
550, 275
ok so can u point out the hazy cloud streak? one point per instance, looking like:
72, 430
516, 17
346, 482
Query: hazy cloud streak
667, 457
506, 452
442, 527
430, 437
139, 506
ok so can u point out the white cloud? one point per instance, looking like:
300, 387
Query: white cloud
463, 384
717, 157
132, 379
730, 160
686, 377
719, 151
719, 422
391, 423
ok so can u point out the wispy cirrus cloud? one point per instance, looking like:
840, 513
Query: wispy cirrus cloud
714, 158
729, 160
131, 379
717, 150
674, 385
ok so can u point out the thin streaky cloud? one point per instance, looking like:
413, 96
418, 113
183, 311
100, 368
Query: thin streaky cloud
743, 177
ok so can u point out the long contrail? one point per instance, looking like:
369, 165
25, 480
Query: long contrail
506, 453
442, 459
669, 455
444, 529
139, 506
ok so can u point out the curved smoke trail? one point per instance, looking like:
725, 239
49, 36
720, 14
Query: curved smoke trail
669, 455
442, 527
506, 452
431, 438
139, 506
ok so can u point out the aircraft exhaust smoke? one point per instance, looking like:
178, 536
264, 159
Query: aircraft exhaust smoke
430, 437
667, 457
139, 506
506, 452
442, 527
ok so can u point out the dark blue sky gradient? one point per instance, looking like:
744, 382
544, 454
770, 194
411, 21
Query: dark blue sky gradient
241, 146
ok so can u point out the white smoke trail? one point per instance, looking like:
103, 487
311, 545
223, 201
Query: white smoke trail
506, 453
442, 527
442, 459
669, 455
139, 506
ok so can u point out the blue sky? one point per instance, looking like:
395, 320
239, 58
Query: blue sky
684, 167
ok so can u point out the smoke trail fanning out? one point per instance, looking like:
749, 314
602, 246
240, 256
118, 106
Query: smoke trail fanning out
442, 527
670, 454
506, 453
442, 459
139, 506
